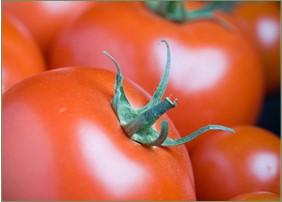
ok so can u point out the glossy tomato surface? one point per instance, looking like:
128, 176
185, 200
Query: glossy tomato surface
45, 18
260, 21
215, 74
21, 57
61, 140
226, 165
257, 196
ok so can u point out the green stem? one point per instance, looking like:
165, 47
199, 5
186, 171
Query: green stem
138, 124
147, 118
193, 135
120, 103
160, 91
162, 137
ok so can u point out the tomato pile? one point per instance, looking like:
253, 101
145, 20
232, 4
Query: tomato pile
153, 100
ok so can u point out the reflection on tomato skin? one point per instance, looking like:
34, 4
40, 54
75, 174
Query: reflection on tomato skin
28, 167
265, 166
189, 70
268, 31
106, 164
61, 134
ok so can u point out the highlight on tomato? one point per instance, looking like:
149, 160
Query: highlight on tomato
21, 57
92, 138
216, 74
45, 19
229, 165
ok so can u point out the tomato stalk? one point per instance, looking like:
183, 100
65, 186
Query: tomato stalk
138, 124
177, 12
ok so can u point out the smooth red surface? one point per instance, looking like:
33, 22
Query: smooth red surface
21, 57
260, 21
257, 196
61, 140
45, 18
226, 165
215, 74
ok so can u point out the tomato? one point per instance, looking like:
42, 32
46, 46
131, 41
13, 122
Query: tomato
226, 165
61, 140
21, 57
215, 73
260, 21
257, 196
46, 18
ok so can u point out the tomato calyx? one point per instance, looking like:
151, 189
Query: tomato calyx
225, 6
177, 12
138, 124
172, 10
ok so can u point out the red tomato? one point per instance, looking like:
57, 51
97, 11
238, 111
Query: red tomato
215, 74
260, 21
21, 56
62, 141
257, 196
226, 165
45, 18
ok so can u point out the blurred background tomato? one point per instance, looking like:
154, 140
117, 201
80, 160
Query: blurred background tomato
210, 65
243, 162
260, 22
45, 19
21, 56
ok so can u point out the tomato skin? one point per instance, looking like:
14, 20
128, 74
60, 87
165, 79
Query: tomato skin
257, 196
21, 56
53, 16
216, 87
260, 21
61, 134
246, 161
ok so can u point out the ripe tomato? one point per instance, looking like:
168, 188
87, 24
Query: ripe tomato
215, 74
63, 141
21, 57
45, 18
257, 196
260, 21
228, 165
